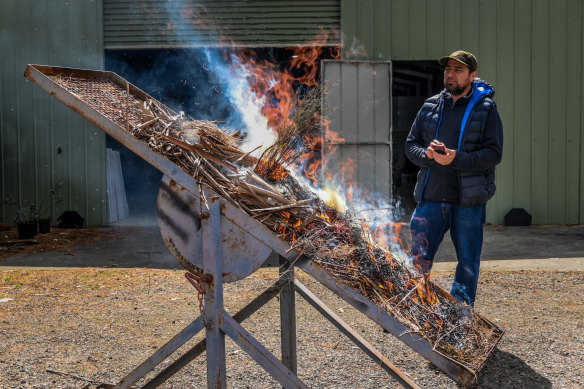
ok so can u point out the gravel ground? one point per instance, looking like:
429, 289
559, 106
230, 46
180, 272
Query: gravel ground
98, 324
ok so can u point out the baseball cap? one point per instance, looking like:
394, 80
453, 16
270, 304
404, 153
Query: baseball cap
464, 57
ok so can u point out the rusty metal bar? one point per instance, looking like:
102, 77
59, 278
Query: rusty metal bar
363, 344
260, 354
200, 347
213, 265
288, 316
458, 372
161, 354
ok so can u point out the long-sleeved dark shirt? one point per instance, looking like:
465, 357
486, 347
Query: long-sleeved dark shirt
442, 184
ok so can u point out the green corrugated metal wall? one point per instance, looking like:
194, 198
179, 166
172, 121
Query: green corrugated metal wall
34, 125
205, 23
531, 50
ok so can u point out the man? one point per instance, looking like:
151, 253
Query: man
456, 140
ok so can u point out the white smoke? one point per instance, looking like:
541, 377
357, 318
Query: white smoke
249, 106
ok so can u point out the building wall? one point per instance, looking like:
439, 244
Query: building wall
531, 51
42, 141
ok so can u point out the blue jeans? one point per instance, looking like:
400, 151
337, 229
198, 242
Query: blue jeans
429, 223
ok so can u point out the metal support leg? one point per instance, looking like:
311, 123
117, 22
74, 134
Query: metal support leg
213, 265
288, 316
364, 345
260, 354
161, 354
218, 323
200, 347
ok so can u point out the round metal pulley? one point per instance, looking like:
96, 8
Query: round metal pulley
180, 227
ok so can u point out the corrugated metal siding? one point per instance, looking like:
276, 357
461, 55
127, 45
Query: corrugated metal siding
34, 126
532, 52
358, 105
204, 23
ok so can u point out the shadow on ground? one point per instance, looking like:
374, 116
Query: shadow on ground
113, 246
534, 242
505, 370
137, 243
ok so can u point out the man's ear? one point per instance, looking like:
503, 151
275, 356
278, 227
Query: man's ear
473, 75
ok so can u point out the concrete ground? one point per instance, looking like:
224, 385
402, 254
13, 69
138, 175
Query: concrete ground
137, 243
524, 248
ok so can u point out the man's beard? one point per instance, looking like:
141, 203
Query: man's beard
455, 89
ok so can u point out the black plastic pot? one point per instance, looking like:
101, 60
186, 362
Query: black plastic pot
27, 230
45, 225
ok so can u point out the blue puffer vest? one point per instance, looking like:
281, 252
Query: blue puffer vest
476, 187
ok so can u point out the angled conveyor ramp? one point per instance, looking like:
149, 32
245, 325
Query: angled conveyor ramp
204, 244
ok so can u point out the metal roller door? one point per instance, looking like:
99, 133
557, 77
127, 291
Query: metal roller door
358, 104
143, 24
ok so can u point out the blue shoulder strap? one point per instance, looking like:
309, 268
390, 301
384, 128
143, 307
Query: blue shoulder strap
477, 94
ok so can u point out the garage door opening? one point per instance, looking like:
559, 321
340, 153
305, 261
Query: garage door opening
413, 82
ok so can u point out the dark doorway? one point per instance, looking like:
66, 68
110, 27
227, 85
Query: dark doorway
412, 83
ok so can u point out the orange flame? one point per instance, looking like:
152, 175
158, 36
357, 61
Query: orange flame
326, 218
277, 89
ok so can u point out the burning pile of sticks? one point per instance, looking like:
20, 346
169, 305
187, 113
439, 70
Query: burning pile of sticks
264, 188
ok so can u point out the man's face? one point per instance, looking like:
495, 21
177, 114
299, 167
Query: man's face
457, 78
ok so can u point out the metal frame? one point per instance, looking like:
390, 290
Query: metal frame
223, 323
218, 323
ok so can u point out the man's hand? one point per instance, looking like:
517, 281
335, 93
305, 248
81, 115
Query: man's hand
430, 152
445, 159
440, 153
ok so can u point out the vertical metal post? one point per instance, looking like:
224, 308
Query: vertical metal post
213, 265
288, 315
